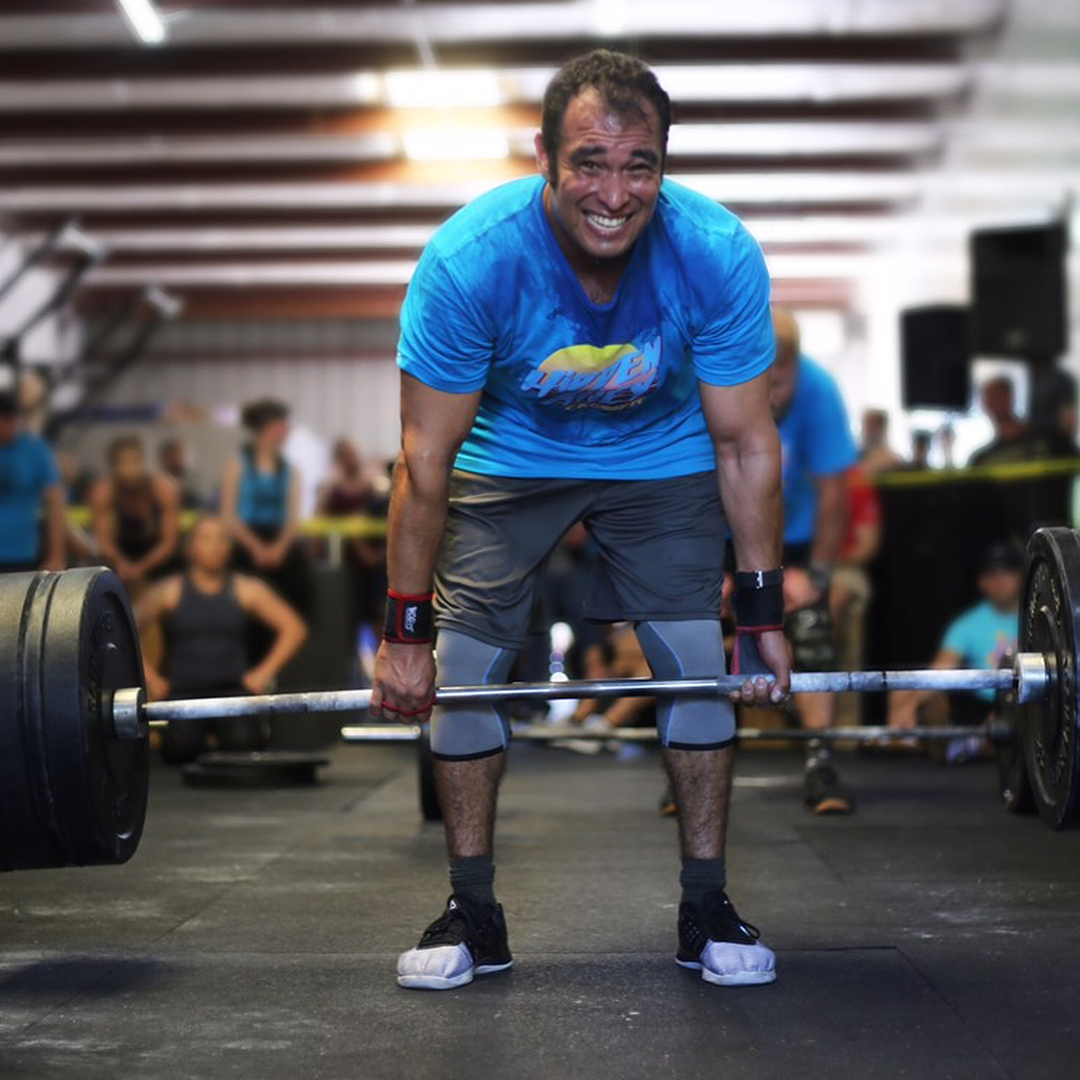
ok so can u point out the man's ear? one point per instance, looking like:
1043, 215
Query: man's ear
543, 162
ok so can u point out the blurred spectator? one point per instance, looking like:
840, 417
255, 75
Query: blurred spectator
564, 590
80, 547
30, 486
978, 638
921, 442
135, 515
353, 491
205, 614
817, 452
260, 502
1054, 409
850, 591
174, 460
876, 453
998, 399
616, 655
33, 401
1016, 441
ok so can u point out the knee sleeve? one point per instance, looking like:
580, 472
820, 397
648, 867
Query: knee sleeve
462, 732
689, 649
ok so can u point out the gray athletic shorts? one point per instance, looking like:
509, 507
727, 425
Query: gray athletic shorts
660, 542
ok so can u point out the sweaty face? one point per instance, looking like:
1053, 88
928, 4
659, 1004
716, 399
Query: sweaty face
607, 177
209, 547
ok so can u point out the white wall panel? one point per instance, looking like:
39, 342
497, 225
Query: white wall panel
331, 396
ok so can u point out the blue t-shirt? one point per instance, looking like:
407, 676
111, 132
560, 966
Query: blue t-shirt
27, 468
981, 636
816, 441
577, 389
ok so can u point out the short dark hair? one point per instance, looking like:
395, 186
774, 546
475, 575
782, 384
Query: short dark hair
1000, 382
622, 82
257, 414
122, 443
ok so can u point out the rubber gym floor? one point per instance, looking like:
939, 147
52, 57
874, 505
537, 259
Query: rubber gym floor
255, 932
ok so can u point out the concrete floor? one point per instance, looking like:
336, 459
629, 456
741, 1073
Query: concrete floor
255, 934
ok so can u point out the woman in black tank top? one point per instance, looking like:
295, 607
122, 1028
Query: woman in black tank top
136, 516
206, 641
206, 614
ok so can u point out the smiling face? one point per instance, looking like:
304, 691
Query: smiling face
603, 187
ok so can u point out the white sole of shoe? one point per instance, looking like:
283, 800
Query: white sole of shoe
733, 978
439, 982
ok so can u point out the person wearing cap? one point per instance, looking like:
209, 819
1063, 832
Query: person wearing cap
977, 638
32, 523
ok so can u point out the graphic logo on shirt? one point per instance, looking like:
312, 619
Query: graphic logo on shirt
1003, 646
606, 377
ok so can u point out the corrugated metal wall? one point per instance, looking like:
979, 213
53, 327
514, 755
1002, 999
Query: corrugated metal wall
331, 396
338, 376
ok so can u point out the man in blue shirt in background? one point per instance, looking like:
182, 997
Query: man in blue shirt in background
30, 489
818, 449
589, 344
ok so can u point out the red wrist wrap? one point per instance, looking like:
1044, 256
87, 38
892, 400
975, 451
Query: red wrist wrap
410, 620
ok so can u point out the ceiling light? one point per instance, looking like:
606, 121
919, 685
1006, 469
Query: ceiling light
454, 144
144, 21
610, 17
442, 89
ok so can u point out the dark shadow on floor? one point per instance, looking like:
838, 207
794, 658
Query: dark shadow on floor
93, 976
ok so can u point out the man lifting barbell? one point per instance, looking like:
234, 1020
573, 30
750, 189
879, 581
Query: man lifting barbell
592, 344
74, 719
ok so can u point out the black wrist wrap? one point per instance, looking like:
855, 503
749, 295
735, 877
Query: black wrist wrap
759, 599
410, 620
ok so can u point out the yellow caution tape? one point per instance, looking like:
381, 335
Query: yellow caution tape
361, 528
1020, 470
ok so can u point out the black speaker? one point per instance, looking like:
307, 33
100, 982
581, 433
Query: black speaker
1018, 292
934, 353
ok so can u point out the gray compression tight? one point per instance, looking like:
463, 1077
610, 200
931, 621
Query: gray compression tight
463, 732
691, 648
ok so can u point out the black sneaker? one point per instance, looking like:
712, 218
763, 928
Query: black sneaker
824, 793
726, 950
468, 939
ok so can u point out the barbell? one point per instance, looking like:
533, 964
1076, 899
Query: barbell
74, 719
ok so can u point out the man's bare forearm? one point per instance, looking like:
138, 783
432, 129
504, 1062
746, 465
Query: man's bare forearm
418, 509
750, 486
